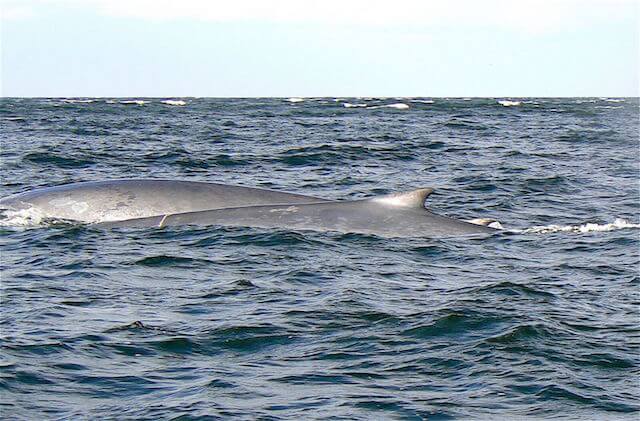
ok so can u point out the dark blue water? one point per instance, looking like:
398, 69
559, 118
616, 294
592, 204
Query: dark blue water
539, 321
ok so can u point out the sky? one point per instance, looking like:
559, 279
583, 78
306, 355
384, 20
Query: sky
285, 48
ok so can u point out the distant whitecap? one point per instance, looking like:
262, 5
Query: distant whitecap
508, 103
177, 102
295, 99
133, 101
398, 106
77, 101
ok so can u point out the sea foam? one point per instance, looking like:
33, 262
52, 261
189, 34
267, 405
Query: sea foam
580, 229
30, 217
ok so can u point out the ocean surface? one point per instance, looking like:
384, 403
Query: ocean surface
541, 320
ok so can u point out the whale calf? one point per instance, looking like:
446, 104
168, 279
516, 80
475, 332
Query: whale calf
118, 200
163, 203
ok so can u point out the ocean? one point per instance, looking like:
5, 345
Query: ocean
541, 320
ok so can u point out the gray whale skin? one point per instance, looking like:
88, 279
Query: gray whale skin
161, 203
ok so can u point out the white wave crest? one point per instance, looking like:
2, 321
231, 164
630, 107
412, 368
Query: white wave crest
507, 103
133, 101
398, 106
295, 99
78, 101
580, 229
350, 105
177, 102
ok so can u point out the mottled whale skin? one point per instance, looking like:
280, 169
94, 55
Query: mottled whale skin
395, 215
118, 200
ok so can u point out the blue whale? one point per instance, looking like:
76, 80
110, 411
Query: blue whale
163, 203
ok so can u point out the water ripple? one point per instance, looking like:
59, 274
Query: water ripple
539, 321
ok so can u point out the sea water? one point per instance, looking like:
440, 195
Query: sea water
540, 320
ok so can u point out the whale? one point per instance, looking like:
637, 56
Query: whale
117, 200
395, 215
141, 203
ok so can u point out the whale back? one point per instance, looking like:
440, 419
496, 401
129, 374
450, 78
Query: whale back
118, 200
395, 215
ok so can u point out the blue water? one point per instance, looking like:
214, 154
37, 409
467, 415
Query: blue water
541, 320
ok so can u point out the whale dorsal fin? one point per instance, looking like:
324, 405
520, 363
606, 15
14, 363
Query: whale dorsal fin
410, 199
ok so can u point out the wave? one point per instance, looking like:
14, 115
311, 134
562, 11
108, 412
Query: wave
350, 105
580, 229
295, 99
177, 102
77, 101
25, 218
133, 101
507, 103
397, 106
588, 227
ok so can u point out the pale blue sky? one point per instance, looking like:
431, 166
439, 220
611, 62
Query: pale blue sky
320, 48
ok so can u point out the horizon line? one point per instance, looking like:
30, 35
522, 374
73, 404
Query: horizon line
317, 96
